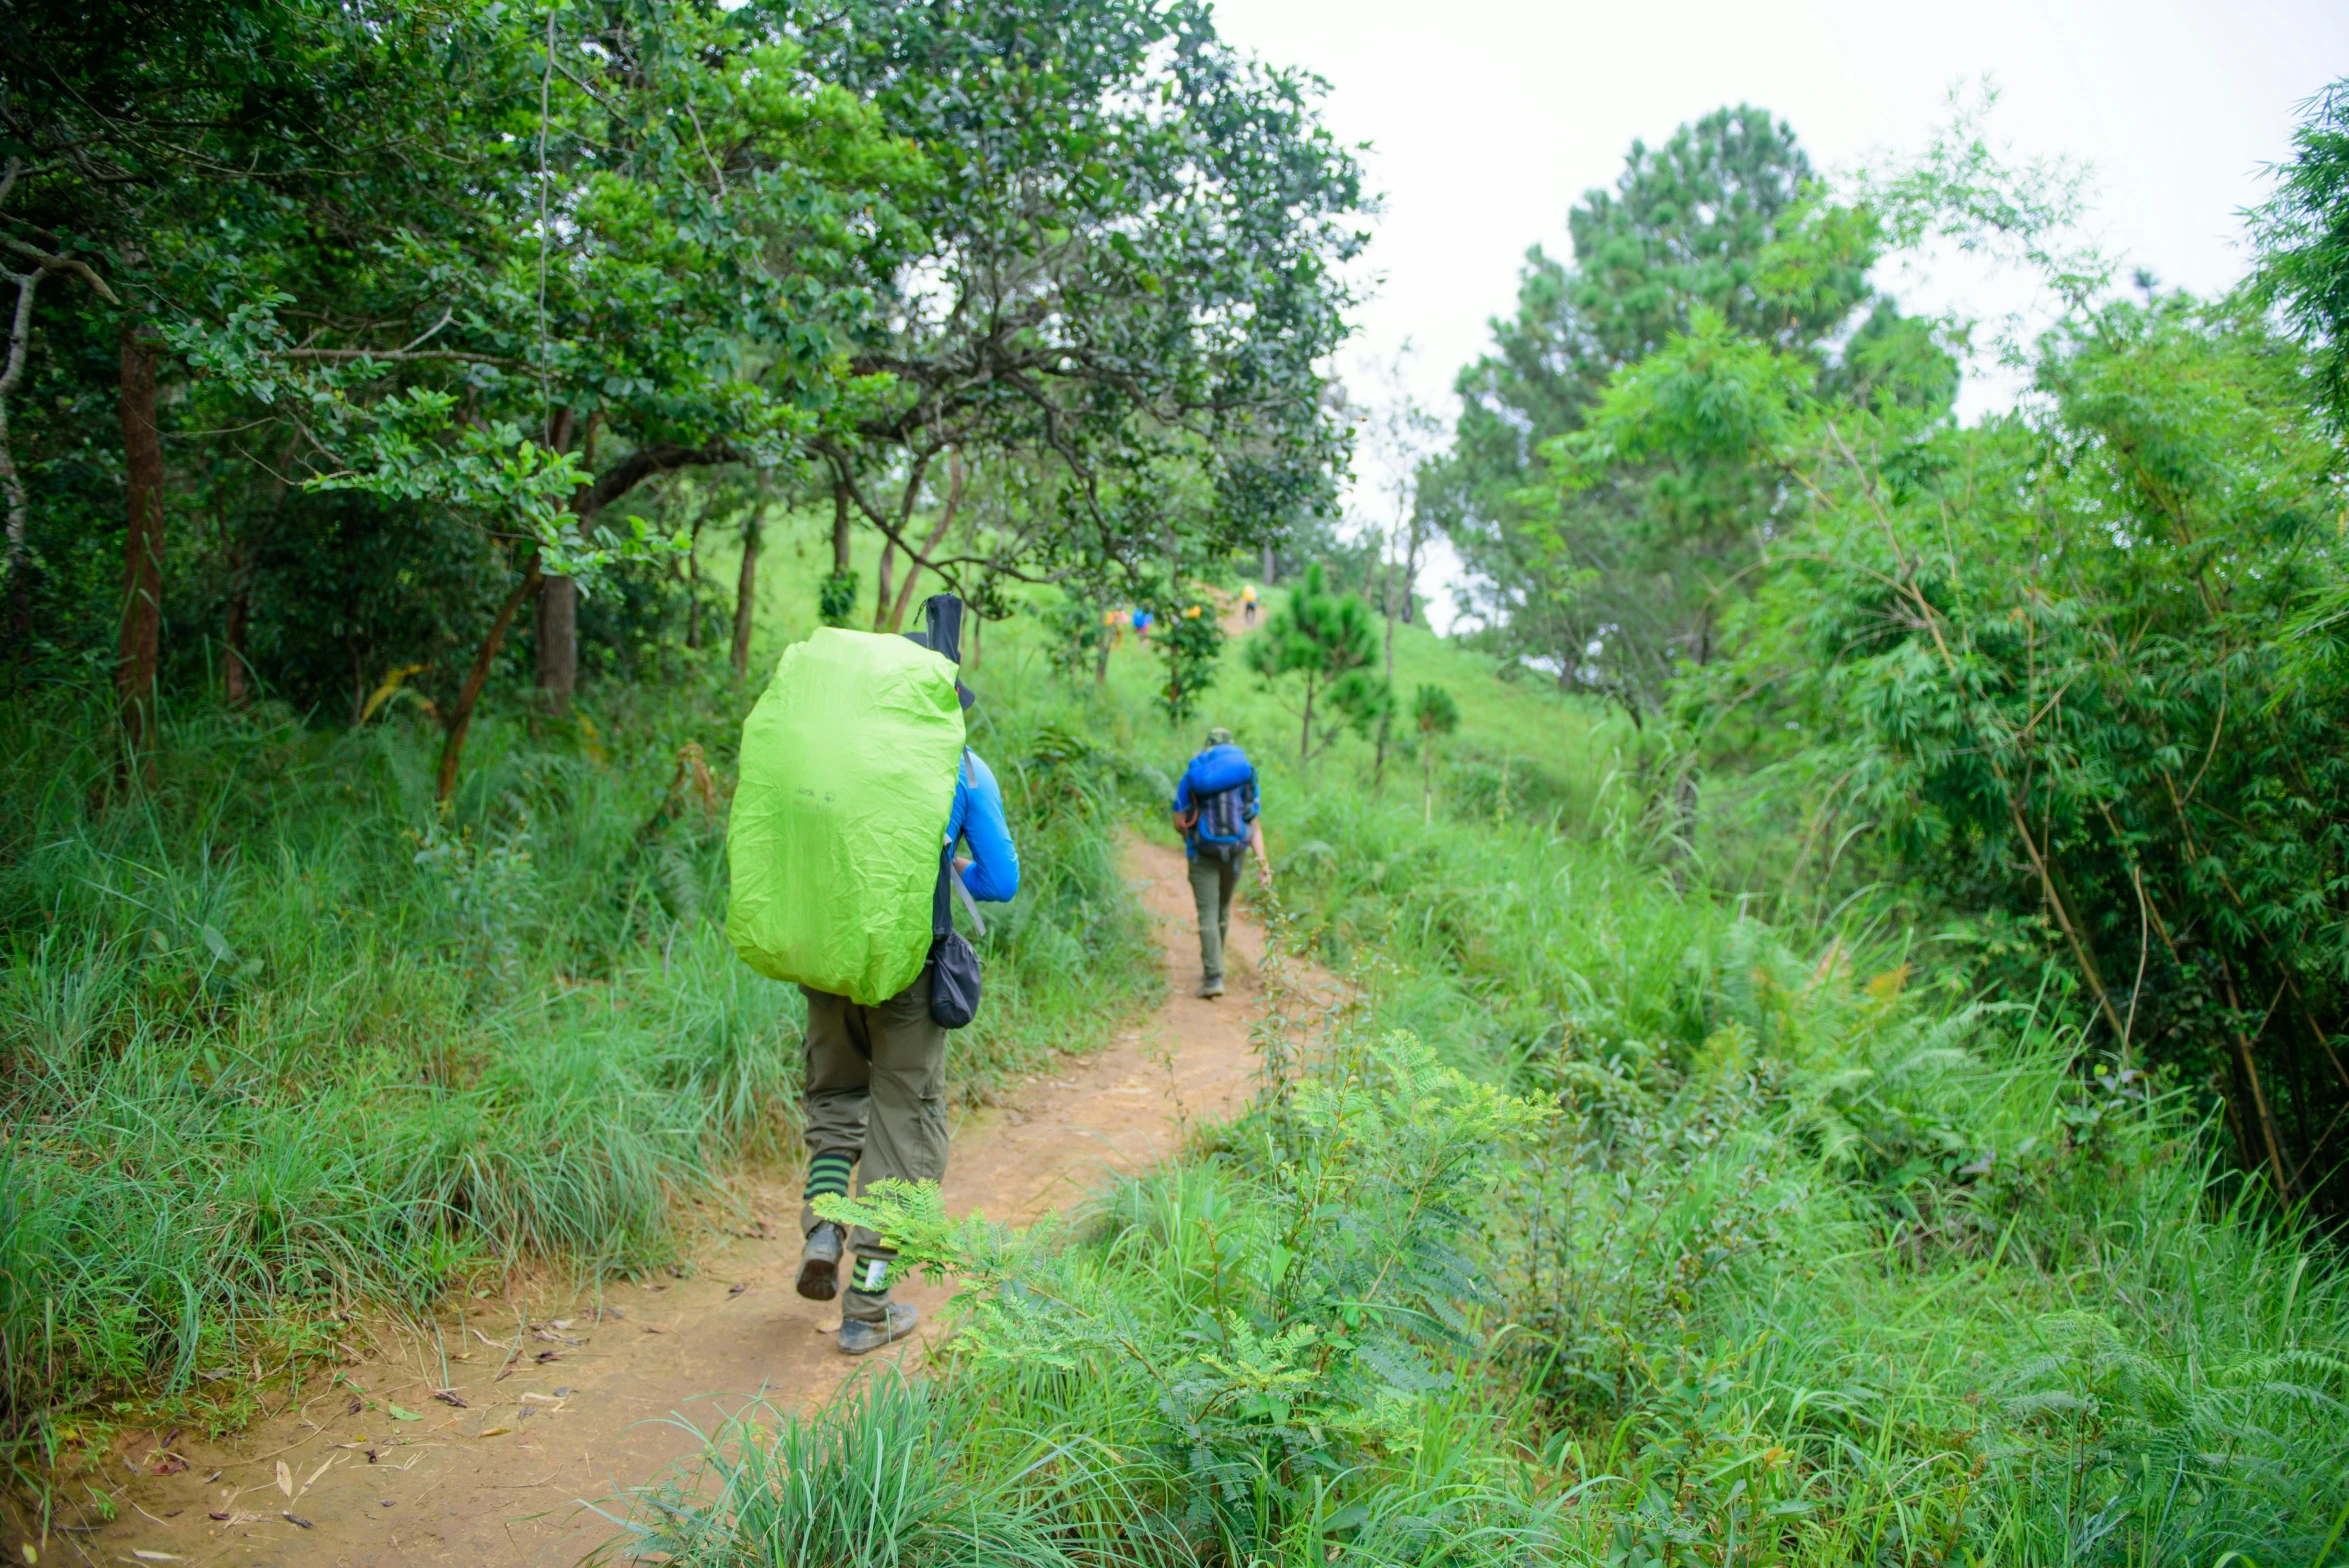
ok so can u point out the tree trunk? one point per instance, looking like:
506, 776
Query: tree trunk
1268, 565
840, 527
1305, 734
20, 588
746, 586
691, 569
452, 747
558, 643
908, 499
1386, 718
142, 568
1411, 564
558, 601
881, 594
2267, 1121
1101, 658
913, 567
240, 615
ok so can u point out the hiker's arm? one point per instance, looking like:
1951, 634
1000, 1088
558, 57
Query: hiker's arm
1253, 806
993, 873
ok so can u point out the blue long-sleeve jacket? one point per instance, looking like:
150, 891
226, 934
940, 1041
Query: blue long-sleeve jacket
993, 875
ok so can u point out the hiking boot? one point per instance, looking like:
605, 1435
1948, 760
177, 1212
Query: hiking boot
819, 1262
888, 1322
1209, 990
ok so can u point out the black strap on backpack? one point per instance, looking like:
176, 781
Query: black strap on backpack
954, 964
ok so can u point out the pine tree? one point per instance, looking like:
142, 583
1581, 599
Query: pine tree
1434, 711
1332, 641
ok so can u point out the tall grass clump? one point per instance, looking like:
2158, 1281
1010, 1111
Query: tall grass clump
878, 1478
276, 1036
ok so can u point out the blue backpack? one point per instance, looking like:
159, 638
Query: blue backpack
1222, 784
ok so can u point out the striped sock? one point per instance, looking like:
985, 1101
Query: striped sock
827, 1174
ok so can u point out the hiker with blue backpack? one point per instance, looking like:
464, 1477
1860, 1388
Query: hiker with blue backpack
1215, 808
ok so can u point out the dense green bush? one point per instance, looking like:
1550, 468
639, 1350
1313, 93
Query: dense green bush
1827, 1261
2078, 669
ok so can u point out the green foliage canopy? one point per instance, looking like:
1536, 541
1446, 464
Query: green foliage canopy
1130, 269
2075, 667
2304, 239
1606, 563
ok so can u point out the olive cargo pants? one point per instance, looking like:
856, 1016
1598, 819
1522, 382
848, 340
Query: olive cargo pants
876, 1089
1212, 881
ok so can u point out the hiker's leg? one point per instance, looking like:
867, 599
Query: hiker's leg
1227, 878
1206, 879
837, 1048
906, 1139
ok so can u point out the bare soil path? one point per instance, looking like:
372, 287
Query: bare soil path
569, 1400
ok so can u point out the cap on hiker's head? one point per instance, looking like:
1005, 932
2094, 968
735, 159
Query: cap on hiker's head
942, 633
1219, 736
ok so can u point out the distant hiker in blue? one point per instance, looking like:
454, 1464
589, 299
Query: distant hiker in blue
1215, 807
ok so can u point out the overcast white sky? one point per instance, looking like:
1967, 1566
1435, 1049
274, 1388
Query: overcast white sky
1487, 119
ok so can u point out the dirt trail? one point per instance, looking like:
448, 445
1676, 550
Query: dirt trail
501, 1480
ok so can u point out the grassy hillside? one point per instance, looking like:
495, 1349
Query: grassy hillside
1614, 1225
1777, 1246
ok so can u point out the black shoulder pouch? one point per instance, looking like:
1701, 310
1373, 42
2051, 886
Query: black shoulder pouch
954, 964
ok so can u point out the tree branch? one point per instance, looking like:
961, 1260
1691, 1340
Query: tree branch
49, 263
643, 464
458, 355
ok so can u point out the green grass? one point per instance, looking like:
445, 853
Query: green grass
278, 1039
1239, 1361
1812, 1259
1819, 1261
1831, 1263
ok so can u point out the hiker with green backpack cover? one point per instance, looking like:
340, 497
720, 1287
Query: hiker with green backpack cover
856, 787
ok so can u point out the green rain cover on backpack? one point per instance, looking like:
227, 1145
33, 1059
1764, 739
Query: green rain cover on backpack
847, 779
